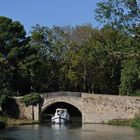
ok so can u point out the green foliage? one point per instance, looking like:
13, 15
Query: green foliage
136, 122
4, 100
121, 122
80, 58
124, 122
119, 13
3, 122
130, 77
32, 99
137, 92
12, 45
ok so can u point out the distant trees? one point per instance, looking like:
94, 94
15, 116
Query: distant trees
80, 58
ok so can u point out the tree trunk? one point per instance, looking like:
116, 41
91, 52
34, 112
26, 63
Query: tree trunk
33, 112
85, 77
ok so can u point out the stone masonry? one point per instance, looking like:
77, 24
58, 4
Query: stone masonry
94, 108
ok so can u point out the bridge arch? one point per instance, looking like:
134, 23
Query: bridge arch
48, 110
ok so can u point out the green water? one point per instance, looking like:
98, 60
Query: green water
70, 132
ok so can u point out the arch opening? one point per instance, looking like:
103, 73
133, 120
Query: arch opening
74, 112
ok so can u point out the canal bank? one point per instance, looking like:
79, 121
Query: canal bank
9, 122
124, 122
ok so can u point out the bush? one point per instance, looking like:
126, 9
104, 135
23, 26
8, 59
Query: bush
119, 122
136, 122
4, 99
137, 93
130, 122
3, 123
32, 99
9, 107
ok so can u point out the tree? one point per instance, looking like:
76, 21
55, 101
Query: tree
122, 14
83, 54
130, 80
5, 77
42, 66
51, 44
4, 99
12, 41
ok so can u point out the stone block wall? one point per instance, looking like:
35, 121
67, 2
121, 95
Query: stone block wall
102, 108
27, 112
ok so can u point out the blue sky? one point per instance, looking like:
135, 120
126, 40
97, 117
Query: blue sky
49, 12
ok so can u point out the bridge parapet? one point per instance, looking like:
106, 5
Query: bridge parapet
61, 94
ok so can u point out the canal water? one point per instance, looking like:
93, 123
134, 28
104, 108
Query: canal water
70, 132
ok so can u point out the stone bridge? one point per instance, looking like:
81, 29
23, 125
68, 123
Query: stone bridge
92, 108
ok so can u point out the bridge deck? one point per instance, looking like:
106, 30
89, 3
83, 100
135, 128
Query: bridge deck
60, 94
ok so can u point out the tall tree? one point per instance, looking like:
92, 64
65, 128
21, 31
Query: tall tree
12, 41
130, 81
123, 14
50, 45
79, 54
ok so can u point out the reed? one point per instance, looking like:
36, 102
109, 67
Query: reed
124, 122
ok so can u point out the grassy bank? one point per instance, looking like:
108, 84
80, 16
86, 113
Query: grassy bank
124, 122
11, 122
121, 122
136, 122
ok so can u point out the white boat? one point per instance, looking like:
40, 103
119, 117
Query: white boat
61, 116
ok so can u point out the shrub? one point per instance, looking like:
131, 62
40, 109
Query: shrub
32, 99
4, 99
136, 122
3, 123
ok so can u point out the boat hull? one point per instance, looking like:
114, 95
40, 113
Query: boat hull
59, 120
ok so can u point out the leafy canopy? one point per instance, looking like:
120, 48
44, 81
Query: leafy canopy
130, 79
122, 14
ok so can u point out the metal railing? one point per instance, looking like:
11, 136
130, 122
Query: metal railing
61, 94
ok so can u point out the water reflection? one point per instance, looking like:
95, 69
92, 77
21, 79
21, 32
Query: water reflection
66, 126
137, 131
70, 132
107, 132
58, 127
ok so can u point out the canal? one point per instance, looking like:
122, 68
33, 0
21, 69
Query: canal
70, 132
